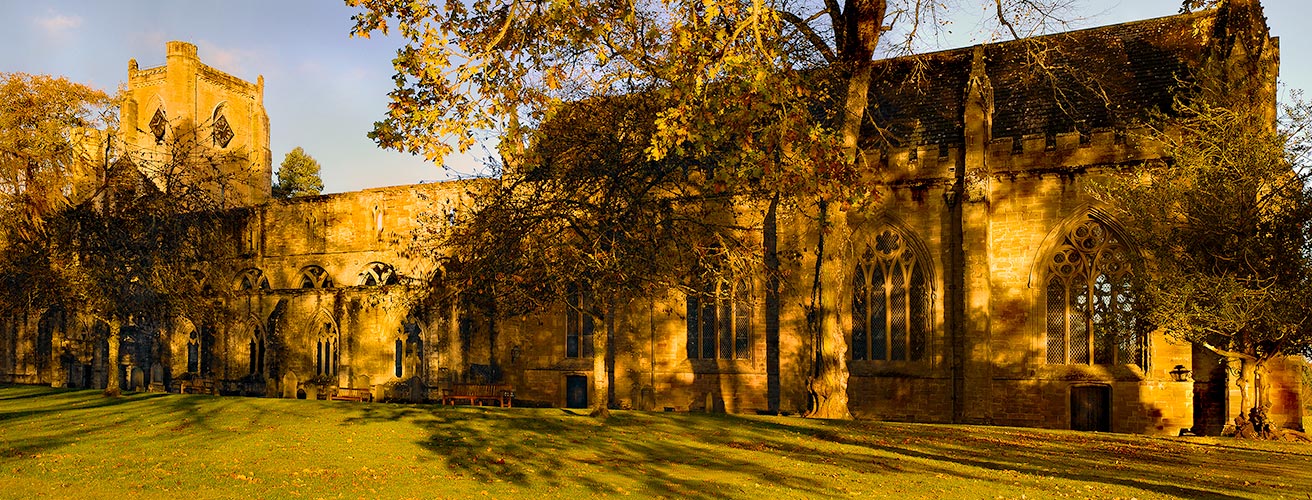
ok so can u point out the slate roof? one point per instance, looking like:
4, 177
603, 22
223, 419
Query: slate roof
1097, 78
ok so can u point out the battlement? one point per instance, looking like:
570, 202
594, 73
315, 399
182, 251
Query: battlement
183, 56
1016, 155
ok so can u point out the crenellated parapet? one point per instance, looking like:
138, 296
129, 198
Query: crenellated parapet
1033, 153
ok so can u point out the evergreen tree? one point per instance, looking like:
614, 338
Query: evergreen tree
298, 176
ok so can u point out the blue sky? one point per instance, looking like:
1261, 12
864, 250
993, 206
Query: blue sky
324, 90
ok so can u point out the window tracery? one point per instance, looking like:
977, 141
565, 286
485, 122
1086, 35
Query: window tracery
719, 319
315, 277
1090, 303
327, 354
890, 302
378, 274
250, 280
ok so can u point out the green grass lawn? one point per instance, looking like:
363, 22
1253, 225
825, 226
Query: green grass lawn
78, 444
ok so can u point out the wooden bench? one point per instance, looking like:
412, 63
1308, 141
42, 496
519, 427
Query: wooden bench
473, 394
357, 395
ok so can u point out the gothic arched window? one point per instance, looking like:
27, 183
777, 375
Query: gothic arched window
327, 354
315, 277
720, 319
193, 352
250, 280
1090, 303
579, 325
890, 302
257, 351
378, 274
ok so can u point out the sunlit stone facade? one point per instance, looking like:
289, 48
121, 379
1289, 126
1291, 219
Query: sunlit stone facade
986, 287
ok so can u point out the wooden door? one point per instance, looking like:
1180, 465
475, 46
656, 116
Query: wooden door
576, 391
1091, 408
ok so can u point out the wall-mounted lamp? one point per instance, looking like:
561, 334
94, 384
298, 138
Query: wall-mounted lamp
1180, 373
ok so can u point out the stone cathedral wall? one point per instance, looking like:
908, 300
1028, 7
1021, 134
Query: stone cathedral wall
329, 291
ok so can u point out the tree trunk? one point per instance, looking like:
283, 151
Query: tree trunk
1245, 382
111, 361
601, 376
770, 242
828, 383
862, 26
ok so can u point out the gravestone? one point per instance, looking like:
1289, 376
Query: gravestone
289, 385
416, 390
156, 373
156, 377
137, 379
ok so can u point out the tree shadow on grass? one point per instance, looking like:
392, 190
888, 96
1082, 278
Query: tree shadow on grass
1133, 461
551, 449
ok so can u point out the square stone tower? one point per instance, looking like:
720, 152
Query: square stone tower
186, 124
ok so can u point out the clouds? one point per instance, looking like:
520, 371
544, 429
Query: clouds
57, 26
245, 63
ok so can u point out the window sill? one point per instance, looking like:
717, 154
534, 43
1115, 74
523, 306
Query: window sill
868, 368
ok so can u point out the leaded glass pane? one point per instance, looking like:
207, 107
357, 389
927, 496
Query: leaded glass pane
743, 321
693, 323
708, 322
1056, 321
919, 320
878, 314
588, 328
726, 325
1130, 348
1078, 319
897, 310
859, 318
572, 322
1104, 322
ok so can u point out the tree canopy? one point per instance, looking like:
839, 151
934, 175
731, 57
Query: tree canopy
298, 175
757, 99
1225, 227
48, 139
97, 226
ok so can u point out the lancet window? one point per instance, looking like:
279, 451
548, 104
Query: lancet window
257, 351
327, 354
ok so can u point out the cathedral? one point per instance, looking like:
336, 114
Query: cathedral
1004, 303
